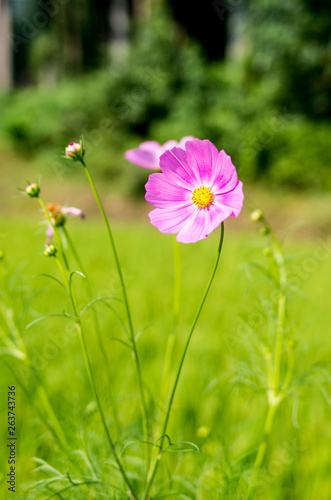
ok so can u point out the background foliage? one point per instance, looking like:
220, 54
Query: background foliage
267, 102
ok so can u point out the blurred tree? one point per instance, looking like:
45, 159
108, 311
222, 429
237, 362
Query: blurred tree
290, 43
5, 46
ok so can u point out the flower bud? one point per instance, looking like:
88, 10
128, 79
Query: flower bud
50, 251
256, 215
75, 151
56, 214
265, 230
33, 190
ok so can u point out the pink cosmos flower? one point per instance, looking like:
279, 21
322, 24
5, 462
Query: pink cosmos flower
58, 214
196, 191
149, 152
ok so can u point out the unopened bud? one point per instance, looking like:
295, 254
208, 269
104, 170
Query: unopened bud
50, 251
265, 230
256, 215
33, 190
75, 151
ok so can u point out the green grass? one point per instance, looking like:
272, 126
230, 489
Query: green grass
220, 404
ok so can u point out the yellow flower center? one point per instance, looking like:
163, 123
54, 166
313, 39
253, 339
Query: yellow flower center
202, 197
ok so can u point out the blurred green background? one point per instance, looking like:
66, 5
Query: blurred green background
252, 76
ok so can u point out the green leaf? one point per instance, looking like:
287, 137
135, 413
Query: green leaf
53, 278
121, 341
100, 299
139, 334
63, 315
194, 448
15, 353
132, 443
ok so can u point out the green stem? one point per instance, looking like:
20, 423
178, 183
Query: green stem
96, 396
279, 259
72, 247
99, 334
91, 379
279, 340
173, 392
128, 313
263, 445
275, 392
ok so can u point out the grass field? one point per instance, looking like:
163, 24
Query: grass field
221, 402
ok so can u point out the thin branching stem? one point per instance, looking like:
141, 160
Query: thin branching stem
88, 367
98, 332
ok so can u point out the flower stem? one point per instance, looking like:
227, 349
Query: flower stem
173, 392
98, 332
263, 445
128, 312
96, 396
91, 379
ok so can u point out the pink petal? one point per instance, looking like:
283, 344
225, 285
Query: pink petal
233, 199
160, 192
225, 175
170, 220
202, 157
202, 223
75, 212
147, 155
174, 165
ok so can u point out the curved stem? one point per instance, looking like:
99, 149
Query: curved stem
98, 331
94, 389
96, 396
128, 312
173, 392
